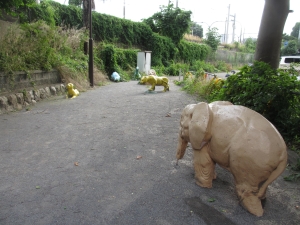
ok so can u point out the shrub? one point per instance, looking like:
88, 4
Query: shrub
206, 66
272, 93
290, 49
200, 86
174, 69
115, 59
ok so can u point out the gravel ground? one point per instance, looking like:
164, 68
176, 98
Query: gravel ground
108, 157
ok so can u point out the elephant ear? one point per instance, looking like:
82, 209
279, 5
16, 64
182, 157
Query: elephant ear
199, 128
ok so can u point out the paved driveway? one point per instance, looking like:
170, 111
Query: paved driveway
108, 157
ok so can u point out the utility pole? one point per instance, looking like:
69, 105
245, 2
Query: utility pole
226, 40
224, 36
91, 62
233, 28
124, 10
176, 3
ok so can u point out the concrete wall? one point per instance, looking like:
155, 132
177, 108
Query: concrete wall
234, 58
22, 80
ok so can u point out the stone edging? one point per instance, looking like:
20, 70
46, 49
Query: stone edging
18, 101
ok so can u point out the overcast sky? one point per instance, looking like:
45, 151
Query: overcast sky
248, 12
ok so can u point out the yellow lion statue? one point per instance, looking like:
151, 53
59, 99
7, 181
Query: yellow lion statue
155, 81
71, 92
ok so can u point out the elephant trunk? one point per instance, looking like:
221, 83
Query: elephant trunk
181, 147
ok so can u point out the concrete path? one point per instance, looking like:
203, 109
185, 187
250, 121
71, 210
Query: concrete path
108, 157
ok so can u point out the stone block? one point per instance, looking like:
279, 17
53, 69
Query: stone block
4, 105
12, 100
28, 96
43, 93
62, 88
37, 95
47, 91
20, 100
53, 90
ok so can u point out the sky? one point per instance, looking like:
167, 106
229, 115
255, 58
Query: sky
206, 13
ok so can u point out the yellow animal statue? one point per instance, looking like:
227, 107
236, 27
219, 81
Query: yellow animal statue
71, 92
155, 81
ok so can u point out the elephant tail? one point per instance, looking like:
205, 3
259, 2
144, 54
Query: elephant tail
276, 173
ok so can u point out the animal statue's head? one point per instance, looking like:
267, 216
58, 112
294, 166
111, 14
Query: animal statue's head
70, 86
143, 80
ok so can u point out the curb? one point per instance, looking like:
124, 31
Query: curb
18, 101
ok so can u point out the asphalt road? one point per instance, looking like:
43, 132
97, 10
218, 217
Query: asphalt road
108, 157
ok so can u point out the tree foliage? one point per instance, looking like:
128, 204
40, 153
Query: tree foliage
14, 4
213, 38
250, 45
286, 37
171, 22
295, 31
75, 2
197, 29
290, 49
111, 29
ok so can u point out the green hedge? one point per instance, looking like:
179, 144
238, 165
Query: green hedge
116, 59
191, 52
111, 29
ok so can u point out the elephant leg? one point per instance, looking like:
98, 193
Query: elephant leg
249, 199
204, 167
253, 204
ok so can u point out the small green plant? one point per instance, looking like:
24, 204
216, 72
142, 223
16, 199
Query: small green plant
175, 69
202, 65
292, 177
296, 175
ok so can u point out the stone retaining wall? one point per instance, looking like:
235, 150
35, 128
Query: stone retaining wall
21, 80
18, 101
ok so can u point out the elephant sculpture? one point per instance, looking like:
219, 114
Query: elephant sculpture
239, 140
155, 81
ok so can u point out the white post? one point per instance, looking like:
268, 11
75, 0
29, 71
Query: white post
233, 27
227, 24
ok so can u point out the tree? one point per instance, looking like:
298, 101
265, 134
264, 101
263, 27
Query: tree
171, 22
295, 31
290, 49
213, 38
75, 2
197, 29
14, 4
250, 45
270, 31
286, 37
